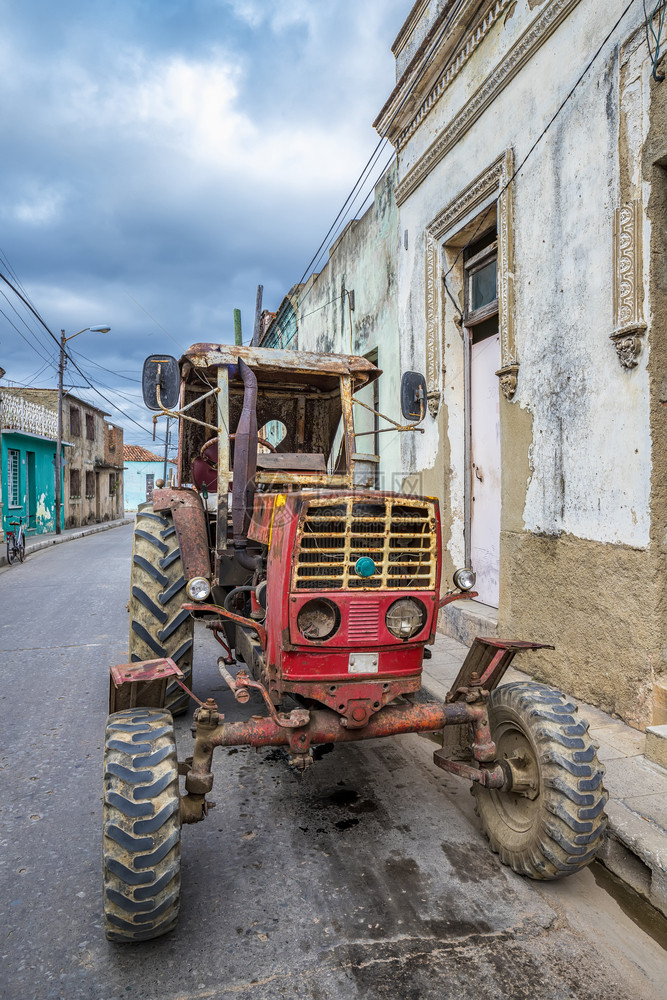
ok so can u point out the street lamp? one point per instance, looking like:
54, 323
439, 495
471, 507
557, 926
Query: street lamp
59, 443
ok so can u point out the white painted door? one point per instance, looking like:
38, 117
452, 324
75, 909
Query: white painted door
485, 455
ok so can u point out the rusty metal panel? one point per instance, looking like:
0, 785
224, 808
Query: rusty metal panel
262, 517
141, 684
267, 359
485, 665
191, 530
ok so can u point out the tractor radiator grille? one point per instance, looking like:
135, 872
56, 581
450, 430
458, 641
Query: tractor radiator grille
398, 534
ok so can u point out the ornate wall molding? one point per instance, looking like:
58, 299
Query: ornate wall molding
433, 376
451, 218
491, 182
521, 52
472, 43
509, 369
629, 324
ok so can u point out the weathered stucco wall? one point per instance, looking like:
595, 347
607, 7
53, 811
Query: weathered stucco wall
581, 492
362, 262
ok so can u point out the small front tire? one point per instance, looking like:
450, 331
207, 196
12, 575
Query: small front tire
558, 827
141, 826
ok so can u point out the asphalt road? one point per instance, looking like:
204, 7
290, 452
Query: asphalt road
367, 878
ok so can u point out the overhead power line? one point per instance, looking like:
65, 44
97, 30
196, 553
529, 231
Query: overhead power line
532, 149
383, 141
69, 357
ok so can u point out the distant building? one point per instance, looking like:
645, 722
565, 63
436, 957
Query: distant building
28, 432
93, 465
142, 469
279, 329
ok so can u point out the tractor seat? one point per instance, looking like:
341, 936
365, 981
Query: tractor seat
205, 466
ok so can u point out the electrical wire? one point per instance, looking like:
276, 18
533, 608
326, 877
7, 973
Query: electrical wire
648, 25
342, 215
110, 371
180, 346
69, 357
532, 149
23, 337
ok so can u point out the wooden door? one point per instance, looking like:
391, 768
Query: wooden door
485, 466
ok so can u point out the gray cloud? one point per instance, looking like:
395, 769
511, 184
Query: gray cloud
166, 157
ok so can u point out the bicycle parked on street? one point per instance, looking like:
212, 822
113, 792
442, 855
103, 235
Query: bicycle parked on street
16, 542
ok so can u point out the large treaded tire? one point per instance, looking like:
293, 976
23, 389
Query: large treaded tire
158, 625
562, 829
141, 826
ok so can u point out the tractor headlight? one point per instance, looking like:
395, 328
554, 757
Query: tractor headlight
405, 618
318, 619
464, 579
198, 588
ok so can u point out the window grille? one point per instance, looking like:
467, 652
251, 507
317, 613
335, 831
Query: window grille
75, 421
13, 478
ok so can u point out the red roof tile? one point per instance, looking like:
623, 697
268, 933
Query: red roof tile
135, 453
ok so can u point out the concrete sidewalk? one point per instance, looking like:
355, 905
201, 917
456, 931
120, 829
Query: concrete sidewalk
36, 542
636, 845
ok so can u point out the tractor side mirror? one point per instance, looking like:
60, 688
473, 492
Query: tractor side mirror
413, 395
161, 370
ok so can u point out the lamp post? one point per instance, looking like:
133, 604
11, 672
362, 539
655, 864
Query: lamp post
59, 442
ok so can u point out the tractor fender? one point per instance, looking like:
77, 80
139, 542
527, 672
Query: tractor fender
189, 516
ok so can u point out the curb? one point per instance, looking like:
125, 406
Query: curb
45, 543
635, 850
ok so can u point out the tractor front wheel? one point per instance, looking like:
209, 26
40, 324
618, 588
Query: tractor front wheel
553, 823
141, 826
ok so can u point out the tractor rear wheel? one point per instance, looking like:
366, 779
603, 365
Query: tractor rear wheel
158, 624
553, 824
141, 826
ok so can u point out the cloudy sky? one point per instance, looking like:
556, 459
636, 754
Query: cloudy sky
161, 158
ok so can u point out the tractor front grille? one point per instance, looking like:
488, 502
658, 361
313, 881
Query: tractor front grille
397, 533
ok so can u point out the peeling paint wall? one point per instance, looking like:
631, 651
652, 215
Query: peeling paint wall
579, 436
362, 263
36, 482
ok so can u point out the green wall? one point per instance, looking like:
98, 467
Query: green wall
36, 481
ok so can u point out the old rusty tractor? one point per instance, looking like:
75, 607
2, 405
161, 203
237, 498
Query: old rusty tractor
327, 593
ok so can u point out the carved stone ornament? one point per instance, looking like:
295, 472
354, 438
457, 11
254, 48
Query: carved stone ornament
628, 284
508, 376
628, 346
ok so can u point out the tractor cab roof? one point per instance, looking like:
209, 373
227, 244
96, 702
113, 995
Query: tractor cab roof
284, 366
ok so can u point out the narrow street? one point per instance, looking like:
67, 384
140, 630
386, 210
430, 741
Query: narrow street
367, 878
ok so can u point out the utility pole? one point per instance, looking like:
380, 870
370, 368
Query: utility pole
238, 339
258, 316
59, 442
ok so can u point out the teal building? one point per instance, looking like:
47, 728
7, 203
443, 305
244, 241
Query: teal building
27, 461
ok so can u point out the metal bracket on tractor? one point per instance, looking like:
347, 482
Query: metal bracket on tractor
484, 667
142, 684
482, 670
